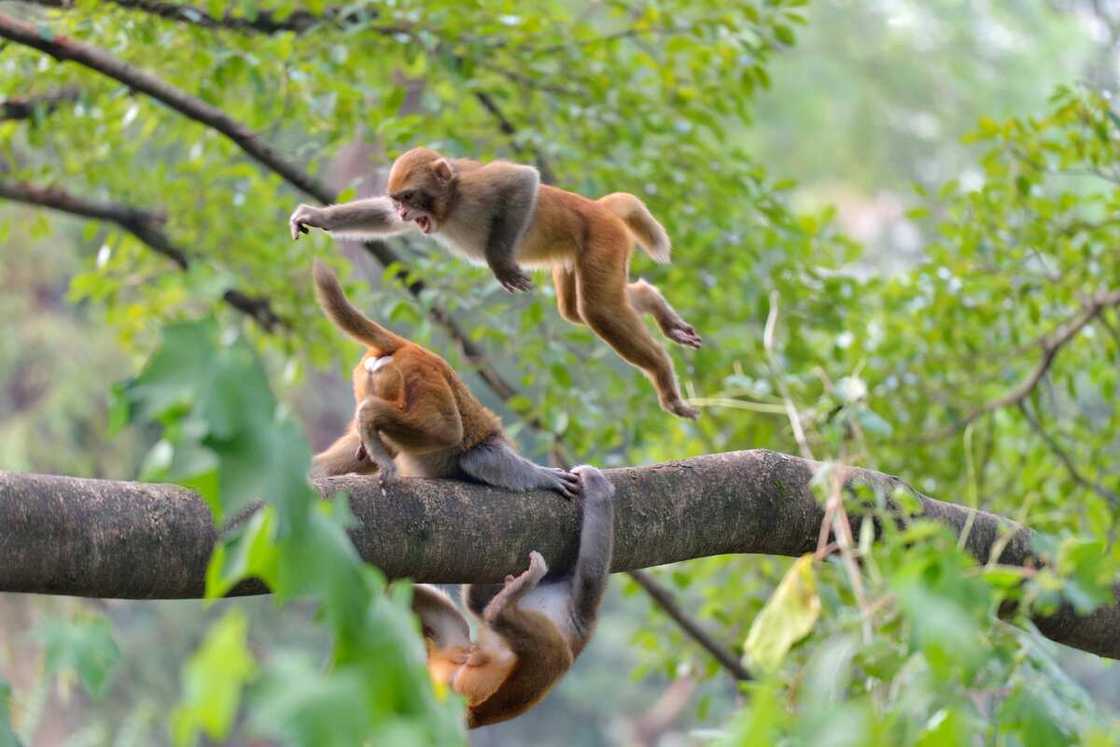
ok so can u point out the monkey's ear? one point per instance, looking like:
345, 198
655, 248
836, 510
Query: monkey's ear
442, 169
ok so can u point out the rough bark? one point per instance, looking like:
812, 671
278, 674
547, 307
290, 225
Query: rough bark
64, 535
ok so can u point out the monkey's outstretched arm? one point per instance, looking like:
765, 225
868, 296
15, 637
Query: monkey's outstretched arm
495, 463
596, 546
514, 197
372, 217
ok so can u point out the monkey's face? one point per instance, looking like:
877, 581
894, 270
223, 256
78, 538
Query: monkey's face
420, 187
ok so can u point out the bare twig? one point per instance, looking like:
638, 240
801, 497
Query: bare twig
654, 722
775, 371
664, 599
145, 225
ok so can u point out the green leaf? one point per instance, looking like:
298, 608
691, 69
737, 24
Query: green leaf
8, 737
213, 682
83, 646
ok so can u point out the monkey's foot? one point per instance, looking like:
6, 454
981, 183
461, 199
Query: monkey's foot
516, 587
680, 409
561, 480
684, 334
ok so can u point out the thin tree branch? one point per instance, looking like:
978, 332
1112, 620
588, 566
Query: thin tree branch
1067, 461
265, 22
508, 129
300, 22
64, 49
648, 728
666, 601
101, 538
29, 106
1050, 345
145, 226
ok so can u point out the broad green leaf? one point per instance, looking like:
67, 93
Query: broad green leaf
82, 646
213, 682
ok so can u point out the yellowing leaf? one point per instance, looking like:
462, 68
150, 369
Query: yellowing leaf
788, 617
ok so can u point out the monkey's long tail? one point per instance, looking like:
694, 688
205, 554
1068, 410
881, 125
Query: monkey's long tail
637, 217
348, 318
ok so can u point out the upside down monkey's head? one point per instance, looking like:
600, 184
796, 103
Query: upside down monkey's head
420, 184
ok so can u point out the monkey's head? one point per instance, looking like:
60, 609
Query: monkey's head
420, 185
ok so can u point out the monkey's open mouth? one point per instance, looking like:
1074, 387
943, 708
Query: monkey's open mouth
424, 223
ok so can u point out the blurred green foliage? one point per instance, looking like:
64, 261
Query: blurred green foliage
226, 436
882, 369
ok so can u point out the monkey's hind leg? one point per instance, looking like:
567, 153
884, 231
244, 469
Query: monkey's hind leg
567, 298
495, 463
647, 299
514, 589
605, 305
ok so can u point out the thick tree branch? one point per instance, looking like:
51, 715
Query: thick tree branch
64, 535
28, 106
145, 226
64, 49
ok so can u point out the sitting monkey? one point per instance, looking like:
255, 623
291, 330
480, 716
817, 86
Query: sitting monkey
416, 417
529, 632
499, 213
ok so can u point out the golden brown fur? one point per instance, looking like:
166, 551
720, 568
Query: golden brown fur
498, 213
529, 632
415, 416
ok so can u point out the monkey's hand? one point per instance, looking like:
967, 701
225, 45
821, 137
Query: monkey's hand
561, 480
517, 587
303, 217
512, 278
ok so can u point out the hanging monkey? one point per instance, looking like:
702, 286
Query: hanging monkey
416, 417
529, 631
499, 214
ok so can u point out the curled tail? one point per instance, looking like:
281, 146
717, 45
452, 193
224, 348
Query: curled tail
347, 318
637, 217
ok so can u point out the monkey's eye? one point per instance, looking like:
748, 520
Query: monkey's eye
406, 196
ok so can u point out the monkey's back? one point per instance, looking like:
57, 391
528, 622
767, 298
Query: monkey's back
562, 225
